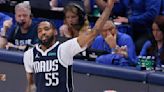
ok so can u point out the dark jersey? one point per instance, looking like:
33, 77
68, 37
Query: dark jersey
52, 68
50, 75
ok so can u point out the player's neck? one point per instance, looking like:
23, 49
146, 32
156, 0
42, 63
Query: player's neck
47, 46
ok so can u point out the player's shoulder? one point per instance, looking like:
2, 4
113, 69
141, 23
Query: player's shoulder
29, 51
70, 41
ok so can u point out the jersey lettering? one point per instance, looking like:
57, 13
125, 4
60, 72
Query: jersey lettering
46, 66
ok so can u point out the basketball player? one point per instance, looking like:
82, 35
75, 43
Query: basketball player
47, 63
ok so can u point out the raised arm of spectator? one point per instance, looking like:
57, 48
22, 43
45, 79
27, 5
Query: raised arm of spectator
88, 36
3, 38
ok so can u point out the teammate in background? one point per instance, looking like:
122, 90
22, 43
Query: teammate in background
22, 34
48, 61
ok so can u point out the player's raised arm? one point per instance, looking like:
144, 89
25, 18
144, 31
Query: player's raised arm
87, 37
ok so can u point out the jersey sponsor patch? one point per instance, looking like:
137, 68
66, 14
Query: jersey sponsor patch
51, 54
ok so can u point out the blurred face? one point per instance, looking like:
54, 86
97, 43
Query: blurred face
54, 3
71, 18
46, 33
109, 27
158, 35
23, 18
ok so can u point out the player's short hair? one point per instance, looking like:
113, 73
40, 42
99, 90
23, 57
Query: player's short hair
48, 20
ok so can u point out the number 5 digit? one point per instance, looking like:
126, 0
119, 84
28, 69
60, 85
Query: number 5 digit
52, 79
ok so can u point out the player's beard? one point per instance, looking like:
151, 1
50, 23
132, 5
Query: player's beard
48, 42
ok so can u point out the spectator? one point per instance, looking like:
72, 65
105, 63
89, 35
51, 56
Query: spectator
119, 8
58, 3
74, 20
3, 1
119, 45
162, 8
21, 35
48, 61
141, 16
53, 4
155, 45
87, 5
40, 4
161, 14
3, 17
